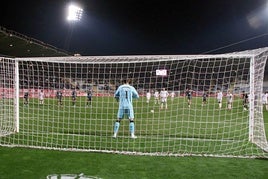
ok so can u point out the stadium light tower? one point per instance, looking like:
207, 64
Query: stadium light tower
74, 13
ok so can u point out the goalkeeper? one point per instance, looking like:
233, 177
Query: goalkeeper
124, 95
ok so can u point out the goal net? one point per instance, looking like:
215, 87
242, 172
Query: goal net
40, 111
8, 124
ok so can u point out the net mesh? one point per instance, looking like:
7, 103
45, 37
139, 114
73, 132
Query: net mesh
189, 126
7, 115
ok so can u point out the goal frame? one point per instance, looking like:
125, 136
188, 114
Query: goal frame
253, 55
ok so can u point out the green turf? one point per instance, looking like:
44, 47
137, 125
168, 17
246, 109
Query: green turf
84, 127
179, 130
26, 163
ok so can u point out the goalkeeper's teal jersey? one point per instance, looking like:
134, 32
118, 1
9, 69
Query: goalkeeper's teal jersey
125, 93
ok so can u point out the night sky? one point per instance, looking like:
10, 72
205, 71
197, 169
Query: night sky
139, 27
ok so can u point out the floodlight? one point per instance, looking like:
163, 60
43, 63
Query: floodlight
74, 13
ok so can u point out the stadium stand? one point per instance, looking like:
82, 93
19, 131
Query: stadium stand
14, 44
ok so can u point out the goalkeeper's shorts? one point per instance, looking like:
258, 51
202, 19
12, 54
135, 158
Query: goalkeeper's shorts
125, 112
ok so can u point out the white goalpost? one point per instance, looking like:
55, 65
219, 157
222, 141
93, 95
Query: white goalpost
46, 103
9, 99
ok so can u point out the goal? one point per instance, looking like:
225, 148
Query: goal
8, 97
34, 115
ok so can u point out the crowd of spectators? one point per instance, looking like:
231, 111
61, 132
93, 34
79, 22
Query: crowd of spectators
44, 75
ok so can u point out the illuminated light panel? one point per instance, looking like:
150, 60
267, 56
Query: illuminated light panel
74, 13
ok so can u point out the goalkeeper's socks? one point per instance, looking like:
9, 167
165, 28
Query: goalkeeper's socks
116, 128
131, 127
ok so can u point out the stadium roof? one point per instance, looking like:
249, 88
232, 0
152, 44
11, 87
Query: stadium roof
14, 44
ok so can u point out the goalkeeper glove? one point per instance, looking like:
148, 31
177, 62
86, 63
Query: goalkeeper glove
117, 99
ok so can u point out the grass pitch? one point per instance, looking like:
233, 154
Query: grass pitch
198, 130
195, 130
